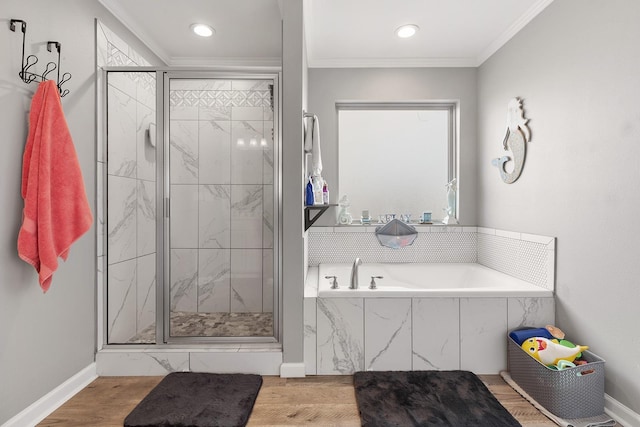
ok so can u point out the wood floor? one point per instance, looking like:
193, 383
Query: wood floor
319, 400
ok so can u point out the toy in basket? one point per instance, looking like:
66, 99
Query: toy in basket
550, 352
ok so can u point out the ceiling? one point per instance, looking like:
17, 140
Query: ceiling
338, 33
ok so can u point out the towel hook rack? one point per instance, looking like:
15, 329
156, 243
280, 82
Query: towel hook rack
26, 74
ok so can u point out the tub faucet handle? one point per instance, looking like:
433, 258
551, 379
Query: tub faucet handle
373, 282
334, 281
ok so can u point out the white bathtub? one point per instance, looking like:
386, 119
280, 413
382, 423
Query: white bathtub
417, 280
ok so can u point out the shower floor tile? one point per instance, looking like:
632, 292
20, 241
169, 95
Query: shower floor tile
190, 324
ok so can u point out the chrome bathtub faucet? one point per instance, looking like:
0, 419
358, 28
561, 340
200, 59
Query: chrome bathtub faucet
354, 274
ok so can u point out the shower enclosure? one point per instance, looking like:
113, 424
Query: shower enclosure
191, 220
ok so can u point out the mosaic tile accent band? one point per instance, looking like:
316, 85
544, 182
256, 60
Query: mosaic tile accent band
220, 98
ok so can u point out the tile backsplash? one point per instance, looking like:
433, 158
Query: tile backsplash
525, 256
344, 244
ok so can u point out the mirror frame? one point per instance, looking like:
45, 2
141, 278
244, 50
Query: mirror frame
451, 106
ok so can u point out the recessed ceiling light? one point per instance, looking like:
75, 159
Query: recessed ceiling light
407, 30
202, 30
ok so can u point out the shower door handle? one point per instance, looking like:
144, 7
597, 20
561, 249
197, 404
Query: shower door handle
167, 207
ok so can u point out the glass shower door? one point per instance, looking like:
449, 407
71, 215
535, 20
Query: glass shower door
220, 182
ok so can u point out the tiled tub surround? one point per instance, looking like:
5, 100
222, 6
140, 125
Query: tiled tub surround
344, 335
525, 256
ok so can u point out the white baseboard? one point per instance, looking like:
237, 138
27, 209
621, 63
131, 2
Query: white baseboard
292, 370
621, 413
44, 406
51, 401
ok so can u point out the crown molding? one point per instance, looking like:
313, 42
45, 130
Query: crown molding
224, 62
391, 62
315, 62
528, 16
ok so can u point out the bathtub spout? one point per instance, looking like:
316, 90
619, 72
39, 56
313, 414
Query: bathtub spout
354, 274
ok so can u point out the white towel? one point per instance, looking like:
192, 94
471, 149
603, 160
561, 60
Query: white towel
316, 156
308, 134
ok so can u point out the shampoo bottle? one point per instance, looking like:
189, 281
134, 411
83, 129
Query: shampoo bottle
308, 197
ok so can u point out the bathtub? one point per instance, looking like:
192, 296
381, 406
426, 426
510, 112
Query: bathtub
416, 280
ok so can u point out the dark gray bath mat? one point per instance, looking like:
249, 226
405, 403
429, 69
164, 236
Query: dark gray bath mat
197, 400
427, 398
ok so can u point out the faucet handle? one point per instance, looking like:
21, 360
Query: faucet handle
373, 282
334, 281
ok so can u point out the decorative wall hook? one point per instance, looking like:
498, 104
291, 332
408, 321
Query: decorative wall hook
27, 73
515, 139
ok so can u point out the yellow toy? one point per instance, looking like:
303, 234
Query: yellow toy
550, 352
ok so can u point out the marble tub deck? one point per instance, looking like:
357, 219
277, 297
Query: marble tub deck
189, 324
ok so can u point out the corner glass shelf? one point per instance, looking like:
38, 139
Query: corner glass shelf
318, 211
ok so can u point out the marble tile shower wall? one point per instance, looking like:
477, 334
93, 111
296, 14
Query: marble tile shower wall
221, 160
128, 221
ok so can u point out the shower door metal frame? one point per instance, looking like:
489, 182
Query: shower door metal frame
164, 200
162, 338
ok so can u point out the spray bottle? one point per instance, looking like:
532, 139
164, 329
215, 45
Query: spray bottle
317, 189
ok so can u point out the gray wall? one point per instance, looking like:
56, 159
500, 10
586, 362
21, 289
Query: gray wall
293, 76
45, 338
327, 85
577, 67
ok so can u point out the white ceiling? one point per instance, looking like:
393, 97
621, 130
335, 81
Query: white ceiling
248, 32
338, 33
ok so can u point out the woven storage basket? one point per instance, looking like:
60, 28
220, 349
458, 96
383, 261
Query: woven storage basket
570, 393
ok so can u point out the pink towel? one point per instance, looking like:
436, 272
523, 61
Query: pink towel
56, 211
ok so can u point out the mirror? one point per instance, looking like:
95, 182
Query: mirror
383, 147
